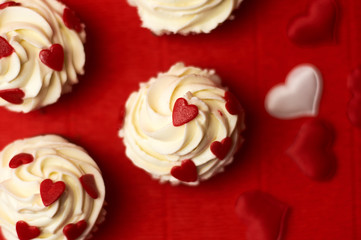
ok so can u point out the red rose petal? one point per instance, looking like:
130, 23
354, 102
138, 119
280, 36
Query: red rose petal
316, 26
187, 172
183, 112
221, 149
20, 159
263, 215
5, 48
50, 192
312, 150
232, 104
88, 183
73, 231
71, 20
26, 232
14, 96
53, 57
354, 106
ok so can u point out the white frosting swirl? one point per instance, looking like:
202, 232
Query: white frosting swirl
155, 145
56, 159
184, 16
32, 26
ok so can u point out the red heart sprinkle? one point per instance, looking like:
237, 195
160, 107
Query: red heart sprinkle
187, 172
14, 96
354, 105
264, 216
183, 112
232, 104
73, 231
312, 150
316, 26
26, 232
20, 159
221, 149
9, 4
5, 48
50, 192
53, 57
88, 183
71, 20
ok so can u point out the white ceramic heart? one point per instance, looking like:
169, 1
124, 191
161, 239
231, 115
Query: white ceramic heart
299, 96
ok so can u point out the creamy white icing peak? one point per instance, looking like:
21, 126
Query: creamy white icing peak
56, 159
29, 28
184, 16
155, 145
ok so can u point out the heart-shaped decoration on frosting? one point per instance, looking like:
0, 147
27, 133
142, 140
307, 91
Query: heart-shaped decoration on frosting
183, 112
299, 96
232, 104
9, 4
20, 159
89, 185
5, 48
221, 149
316, 26
26, 232
14, 95
50, 192
71, 20
186, 172
73, 231
53, 57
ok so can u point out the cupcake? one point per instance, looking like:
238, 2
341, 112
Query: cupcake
49, 189
41, 53
183, 16
182, 126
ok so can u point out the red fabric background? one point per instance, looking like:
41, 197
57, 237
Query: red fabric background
251, 54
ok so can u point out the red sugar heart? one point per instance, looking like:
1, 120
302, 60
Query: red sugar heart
71, 20
221, 149
9, 4
50, 192
88, 183
73, 231
5, 48
53, 57
354, 105
312, 150
232, 104
316, 26
14, 96
263, 215
20, 159
187, 172
183, 112
26, 232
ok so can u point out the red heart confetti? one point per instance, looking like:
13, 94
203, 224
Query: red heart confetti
71, 20
232, 104
263, 215
183, 112
221, 149
354, 106
5, 48
88, 183
53, 57
9, 4
26, 232
316, 26
73, 231
50, 192
14, 95
20, 159
187, 172
312, 150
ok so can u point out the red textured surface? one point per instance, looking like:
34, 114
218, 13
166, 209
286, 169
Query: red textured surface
251, 53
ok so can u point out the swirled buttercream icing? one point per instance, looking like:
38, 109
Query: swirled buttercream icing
184, 16
41, 52
182, 126
49, 189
